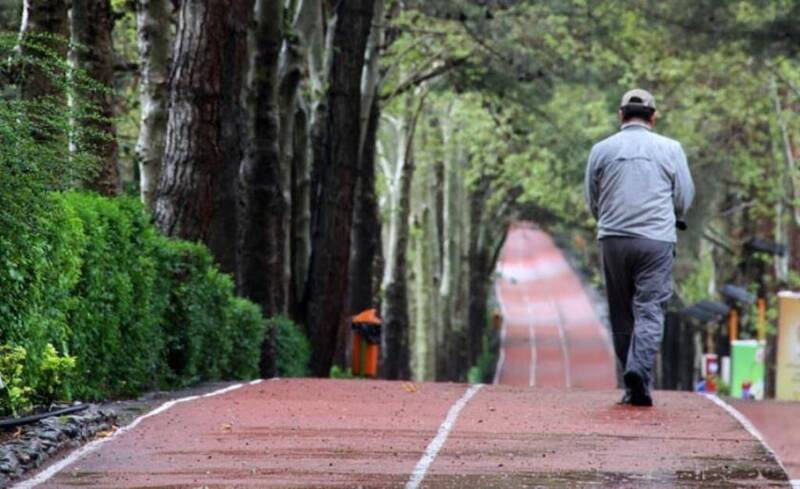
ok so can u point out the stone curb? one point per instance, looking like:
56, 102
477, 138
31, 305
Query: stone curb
42, 440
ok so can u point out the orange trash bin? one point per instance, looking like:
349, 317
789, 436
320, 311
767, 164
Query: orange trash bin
366, 327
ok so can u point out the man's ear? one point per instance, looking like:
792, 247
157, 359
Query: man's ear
619, 115
652, 120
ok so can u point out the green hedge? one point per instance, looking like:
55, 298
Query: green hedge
292, 348
97, 304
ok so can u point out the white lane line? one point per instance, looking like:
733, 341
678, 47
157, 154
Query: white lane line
747, 425
563, 339
85, 450
501, 360
441, 436
531, 340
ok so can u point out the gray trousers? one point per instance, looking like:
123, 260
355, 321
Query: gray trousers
638, 276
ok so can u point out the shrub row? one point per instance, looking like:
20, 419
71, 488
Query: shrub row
97, 304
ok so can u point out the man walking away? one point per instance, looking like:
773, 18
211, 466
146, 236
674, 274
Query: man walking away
638, 187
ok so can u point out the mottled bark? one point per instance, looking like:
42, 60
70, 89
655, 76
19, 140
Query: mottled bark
309, 46
292, 67
366, 225
395, 340
43, 17
319, 50
335, 163
196, 198
153, 39
366, 222
422, 285
225, 225
424, 282
264, 209
91, 24
301, 211
449, 331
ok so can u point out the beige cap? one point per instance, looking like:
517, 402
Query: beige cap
637, 96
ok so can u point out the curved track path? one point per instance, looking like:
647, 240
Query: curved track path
551, 335
553, 424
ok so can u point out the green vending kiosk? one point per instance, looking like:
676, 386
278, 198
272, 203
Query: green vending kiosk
747, 369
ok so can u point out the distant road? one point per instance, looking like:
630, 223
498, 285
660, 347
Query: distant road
551, 335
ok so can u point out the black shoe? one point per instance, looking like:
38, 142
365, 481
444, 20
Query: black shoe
639, 394
626, 398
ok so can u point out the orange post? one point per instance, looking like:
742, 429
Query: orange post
356, 353
366, 327
733, 325
762, 318
371, 360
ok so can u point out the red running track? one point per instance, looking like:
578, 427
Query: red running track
565, 431
551, 334
303, 433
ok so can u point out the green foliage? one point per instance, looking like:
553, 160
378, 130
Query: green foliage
246, 338
696, 286
98, 304
292, 348
338, 372
56, 374
114, 322
483, 370
15, 394
210, 333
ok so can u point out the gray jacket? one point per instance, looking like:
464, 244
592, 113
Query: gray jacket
637, 183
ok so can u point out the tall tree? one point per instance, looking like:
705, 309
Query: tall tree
450, 354
196, 196
263, 245
91, 24
333, 184
309, 27
153, 39
395, 345
48, 17
365, 238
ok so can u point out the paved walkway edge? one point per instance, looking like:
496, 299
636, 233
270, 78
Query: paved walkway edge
85, 450
441, 436
747, 425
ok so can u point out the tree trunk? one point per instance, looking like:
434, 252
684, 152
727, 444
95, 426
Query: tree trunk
436, 237
291, 69
448, 289
43, 17
301, 210
264, 207
309, 26
395, 347
366, 222
336, 163
424, 282
91, 25
422, 286
153, 39
196, 198
366, 225
479, 271
225, 226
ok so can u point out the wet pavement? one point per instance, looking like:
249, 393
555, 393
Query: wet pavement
350, 433
779, 424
